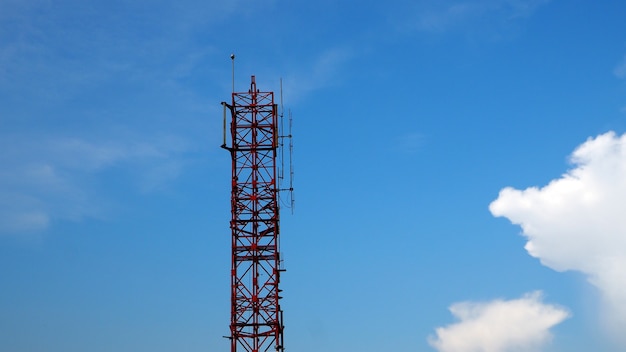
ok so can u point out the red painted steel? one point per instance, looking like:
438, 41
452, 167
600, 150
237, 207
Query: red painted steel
256, 318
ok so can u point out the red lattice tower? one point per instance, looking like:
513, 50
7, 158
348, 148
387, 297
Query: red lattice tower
256, 318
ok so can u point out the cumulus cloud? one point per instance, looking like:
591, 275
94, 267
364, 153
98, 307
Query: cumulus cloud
499, 326
577, 221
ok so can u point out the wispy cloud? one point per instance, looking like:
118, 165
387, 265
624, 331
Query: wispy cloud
521, 325
441, 19
445, 16
620, 69
577, 222
522, 8
410, 142
46, 45
321, 72
53, 178
91, 89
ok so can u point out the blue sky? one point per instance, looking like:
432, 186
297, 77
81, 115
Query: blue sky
410, 117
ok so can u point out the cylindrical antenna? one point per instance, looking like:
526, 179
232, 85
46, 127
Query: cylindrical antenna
282, 109
282, 134
291, 172
232, 58
224, 105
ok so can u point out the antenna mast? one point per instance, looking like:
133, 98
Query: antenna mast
232, 58
281, 174
256, 323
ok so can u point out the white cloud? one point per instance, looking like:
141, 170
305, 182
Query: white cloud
577, 221
499, 326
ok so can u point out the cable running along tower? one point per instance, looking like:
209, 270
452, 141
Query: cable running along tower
256, 322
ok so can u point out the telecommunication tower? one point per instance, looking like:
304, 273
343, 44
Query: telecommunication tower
256, 323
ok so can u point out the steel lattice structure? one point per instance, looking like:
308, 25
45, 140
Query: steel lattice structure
256, 318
